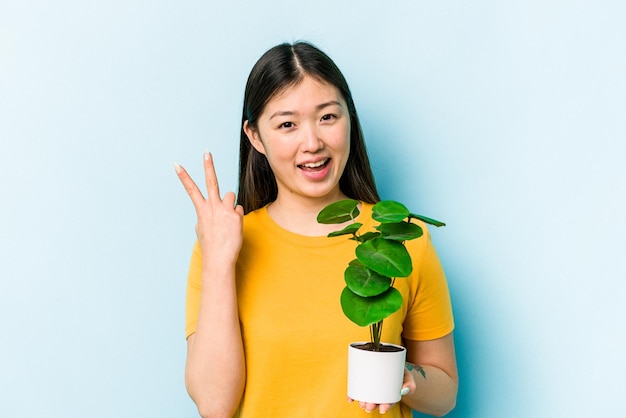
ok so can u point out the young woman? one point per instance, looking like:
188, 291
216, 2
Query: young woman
265, 332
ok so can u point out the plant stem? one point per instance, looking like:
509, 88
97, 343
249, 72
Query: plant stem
375, 334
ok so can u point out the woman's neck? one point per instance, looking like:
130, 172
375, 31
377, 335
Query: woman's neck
300, 215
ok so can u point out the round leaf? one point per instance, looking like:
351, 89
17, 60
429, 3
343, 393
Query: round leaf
400, 231
387, 257
365, 282
367, 311
389, 211
339, 212
348, 230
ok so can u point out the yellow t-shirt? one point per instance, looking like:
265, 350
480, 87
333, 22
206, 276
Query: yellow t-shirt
295, 334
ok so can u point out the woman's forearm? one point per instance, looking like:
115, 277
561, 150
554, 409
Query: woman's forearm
435, 394
215, 370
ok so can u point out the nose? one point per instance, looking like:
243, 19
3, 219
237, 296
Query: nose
311, 139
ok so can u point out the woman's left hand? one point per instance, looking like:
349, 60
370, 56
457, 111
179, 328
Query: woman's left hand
408, 387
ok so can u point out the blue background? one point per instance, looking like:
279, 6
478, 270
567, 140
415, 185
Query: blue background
505, 119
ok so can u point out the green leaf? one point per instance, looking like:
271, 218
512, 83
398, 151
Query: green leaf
387, 257
429, 221
400, 231
348, 230
339, 212
365, 282
367, 311
368, 236
389, 211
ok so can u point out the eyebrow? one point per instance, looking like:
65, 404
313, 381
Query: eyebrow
318, 108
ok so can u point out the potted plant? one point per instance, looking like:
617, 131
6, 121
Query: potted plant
369, 296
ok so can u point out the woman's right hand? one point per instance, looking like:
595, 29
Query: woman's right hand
215, 374
220, 221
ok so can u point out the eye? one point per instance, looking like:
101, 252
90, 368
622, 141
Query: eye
329, 116
285, 125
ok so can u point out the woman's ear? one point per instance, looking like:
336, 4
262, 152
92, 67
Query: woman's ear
253, 137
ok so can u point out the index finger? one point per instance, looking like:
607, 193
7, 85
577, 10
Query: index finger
190, 186
213, 189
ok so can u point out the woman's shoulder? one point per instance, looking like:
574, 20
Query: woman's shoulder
255, 217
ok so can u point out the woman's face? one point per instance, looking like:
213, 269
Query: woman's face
304, 132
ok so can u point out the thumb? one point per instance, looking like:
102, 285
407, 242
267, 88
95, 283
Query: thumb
408, 386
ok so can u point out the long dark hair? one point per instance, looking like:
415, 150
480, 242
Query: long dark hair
283, 66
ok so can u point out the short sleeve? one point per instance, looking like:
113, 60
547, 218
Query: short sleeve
194, 286
429, 314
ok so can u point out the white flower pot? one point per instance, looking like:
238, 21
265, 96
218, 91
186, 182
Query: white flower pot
375, 376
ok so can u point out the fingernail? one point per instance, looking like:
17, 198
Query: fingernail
404, 391
206, 154
178, 168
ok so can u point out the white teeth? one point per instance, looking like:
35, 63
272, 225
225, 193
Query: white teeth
315, 165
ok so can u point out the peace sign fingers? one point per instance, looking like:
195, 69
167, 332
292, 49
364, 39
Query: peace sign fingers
219, 226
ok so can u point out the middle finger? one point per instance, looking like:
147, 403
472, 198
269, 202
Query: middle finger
213, 190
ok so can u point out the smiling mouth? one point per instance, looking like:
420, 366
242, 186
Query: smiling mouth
315, 166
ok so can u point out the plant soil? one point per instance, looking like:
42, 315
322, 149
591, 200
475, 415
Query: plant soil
384, 348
